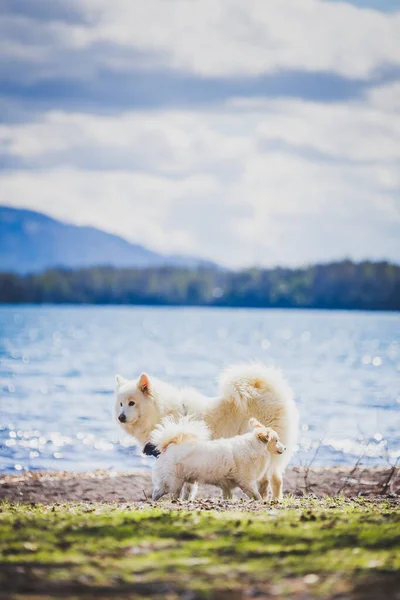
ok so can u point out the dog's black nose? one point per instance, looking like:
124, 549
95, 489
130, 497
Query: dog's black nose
151, 450
122, 418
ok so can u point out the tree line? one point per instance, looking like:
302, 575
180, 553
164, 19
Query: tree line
340, 285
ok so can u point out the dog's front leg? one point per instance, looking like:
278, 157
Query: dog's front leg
189, 491
178, 482
176, 490
158, 493
276, 486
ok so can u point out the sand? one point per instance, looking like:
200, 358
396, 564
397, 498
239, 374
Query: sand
121, 487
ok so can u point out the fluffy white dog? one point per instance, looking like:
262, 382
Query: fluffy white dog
188, 456
245, 391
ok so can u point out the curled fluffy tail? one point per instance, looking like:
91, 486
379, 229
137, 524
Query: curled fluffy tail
242, 383
186, 429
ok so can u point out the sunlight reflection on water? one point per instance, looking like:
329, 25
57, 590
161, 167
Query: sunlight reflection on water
57, 367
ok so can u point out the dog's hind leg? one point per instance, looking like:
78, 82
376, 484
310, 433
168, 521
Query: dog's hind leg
263, 486
251, 490
226, 492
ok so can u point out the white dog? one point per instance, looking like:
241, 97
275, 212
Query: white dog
188, 456
245, 391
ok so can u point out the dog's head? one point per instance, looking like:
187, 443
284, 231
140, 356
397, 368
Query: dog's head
267, 436
134, 401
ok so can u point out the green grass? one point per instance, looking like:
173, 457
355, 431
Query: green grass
321, 546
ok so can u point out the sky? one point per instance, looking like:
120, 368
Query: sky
264, 132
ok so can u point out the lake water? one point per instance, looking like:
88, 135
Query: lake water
57, 367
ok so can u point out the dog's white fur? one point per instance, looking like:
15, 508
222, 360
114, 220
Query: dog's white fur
245, 391
188, 456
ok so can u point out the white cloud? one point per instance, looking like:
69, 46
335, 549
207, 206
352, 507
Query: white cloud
210, 38
179, 141
268, 181
221, 37
279, 181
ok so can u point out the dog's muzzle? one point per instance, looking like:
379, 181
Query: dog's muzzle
151, 450
122, 418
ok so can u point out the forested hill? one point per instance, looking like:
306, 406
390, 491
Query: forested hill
344, 285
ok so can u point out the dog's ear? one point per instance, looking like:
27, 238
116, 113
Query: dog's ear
119, 380
264, 435
143, 384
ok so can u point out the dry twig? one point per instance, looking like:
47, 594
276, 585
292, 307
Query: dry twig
386, 484
354, 469
309, 465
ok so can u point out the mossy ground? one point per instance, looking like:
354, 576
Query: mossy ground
305, 546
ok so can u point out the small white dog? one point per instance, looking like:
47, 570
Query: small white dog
245, 391
188, 456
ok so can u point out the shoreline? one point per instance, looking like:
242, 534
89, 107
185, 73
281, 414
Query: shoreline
319, 309
109, 486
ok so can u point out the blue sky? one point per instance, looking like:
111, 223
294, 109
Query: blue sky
265, 132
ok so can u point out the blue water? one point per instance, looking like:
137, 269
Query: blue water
57, 367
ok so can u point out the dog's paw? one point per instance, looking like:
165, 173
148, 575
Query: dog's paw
151, 450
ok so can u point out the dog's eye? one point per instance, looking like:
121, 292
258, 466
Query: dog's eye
120, 403
131, 403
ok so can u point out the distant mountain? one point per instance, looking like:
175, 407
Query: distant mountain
31, 241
